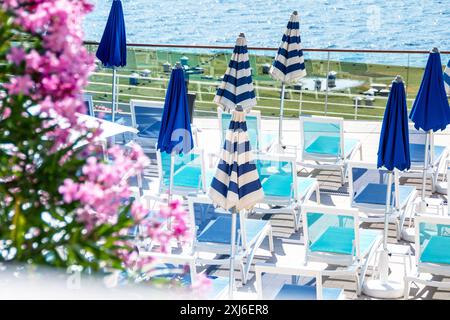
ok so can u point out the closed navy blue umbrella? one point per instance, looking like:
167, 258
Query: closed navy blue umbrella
393, 149
175, 135
112, 50
393, 153
431, 111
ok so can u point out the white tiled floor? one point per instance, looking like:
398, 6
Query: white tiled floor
288, 243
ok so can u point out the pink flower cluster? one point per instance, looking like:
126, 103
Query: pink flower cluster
177, 229
55, 74
103, 188
164, 227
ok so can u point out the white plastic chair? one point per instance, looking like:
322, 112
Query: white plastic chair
323, 145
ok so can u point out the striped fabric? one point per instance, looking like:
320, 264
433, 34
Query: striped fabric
289, 64
447, 78
236, 182
237, 85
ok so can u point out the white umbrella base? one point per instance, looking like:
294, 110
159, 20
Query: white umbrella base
383, 289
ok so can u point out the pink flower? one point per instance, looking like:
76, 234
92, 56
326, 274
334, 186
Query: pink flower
6, 113
16, 55
138, 211
69, 190
19, 85
33, 60
201, 285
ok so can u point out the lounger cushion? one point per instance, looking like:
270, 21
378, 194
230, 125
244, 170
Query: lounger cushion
327, 145
375, 194
150, 131
187, 177
297, 292
281, 186
437, 250
219, 230
417, 152
278, 186
340, 240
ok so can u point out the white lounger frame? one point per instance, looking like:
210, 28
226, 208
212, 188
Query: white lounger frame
295, 203
376, 213
322, 161
279, 269
182, 190
424, 267
244, 253
87, 99
183, 259
356, 266
144, 103
437, 166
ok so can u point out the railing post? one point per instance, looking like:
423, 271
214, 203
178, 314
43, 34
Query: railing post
407, 76
326, 83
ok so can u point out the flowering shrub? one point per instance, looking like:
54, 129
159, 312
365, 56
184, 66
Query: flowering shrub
61, 204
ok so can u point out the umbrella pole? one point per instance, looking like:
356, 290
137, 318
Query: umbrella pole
423, 203
280, 124
386, 221
278, 147
113, 111
383, 287
232, 253
172, 169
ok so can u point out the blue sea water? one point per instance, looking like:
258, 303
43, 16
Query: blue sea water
356, 24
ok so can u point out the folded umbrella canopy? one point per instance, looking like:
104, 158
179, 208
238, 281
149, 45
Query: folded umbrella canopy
112, 50
175, 135
237, 85
289, 64
393, 153
430, 111
236, 184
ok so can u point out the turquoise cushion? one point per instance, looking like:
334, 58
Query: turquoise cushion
335, 240
278, 186
340, 240
437, 250
375, 193
186, 177
297, 292
219, 231
325, 145
417, 152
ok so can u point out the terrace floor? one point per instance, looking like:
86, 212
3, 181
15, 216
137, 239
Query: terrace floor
289, 249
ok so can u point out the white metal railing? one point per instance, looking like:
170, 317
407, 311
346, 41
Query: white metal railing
298, 101
353, 110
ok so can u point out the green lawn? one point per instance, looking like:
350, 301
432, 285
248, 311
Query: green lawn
267, 90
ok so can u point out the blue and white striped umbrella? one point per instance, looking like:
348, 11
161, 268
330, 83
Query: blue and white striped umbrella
447, 78
236, 183
289, 64
237, 85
